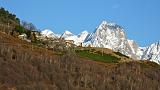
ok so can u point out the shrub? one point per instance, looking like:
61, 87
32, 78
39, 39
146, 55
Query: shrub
20, 29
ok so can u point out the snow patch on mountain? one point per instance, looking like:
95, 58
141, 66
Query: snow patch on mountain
134, 46
67, 34
152, 53
78, 39
82, 36
49, 33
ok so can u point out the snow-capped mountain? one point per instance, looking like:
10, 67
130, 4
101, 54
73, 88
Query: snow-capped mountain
67, 34
134, 46
112, 36
49, 33
152, 53
78, 39
82, 36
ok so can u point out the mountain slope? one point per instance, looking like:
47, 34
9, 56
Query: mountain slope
24, 66
152, 53
27, 66
112, 36
78, 39
82, 36
67, 34
49, 33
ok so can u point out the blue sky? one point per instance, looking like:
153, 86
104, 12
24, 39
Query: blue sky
140, 18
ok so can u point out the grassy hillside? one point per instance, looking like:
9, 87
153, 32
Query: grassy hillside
27, 67
101, 55
97, 56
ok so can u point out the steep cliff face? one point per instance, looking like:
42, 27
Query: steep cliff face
112, 36
152, 53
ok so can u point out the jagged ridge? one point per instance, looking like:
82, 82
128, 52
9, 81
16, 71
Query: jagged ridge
112, 36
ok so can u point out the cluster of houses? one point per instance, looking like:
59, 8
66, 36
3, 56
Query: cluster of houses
49, 42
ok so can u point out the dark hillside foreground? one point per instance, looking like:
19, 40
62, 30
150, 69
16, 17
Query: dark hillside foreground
27, 67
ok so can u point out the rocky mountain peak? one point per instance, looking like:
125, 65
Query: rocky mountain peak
48, 33
112, 36
67, 34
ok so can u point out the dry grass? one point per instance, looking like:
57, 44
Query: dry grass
24, 66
